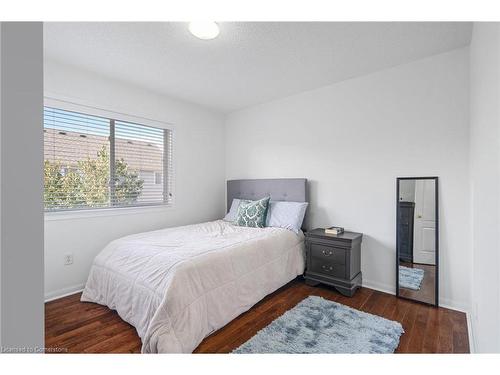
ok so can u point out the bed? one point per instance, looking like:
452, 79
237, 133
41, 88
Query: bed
178, 285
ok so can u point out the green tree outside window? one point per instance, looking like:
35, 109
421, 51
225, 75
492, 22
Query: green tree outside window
87, 183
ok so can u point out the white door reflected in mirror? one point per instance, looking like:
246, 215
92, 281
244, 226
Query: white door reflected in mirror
424, 244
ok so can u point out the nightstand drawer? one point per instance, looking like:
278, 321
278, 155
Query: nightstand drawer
328, 254
327, 268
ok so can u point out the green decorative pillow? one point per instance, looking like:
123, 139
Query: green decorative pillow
252, 213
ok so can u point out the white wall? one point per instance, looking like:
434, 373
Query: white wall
198, 162
485, 184
352, 139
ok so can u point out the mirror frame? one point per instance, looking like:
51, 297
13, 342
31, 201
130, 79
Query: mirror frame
436, 291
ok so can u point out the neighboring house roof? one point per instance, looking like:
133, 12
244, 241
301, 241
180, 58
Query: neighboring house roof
69, 147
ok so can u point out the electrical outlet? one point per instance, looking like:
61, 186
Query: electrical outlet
68, 259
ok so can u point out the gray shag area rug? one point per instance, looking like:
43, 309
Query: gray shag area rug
317, 325
410, 278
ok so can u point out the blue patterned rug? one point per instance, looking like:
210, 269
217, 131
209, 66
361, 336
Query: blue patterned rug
317, 325
410, 278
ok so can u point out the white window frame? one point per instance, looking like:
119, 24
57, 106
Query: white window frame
86, 108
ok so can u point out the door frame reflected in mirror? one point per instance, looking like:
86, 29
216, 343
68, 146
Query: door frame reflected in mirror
436, 282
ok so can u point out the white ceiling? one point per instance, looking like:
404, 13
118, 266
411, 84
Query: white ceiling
250, 62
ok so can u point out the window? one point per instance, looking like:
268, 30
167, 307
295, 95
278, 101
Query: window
97, 162
158, 178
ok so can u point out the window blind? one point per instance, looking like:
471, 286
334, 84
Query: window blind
98, 162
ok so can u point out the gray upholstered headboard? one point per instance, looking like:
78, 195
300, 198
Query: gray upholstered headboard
279, 189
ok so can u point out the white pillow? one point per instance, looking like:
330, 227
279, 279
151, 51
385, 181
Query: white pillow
233, 211
288, 215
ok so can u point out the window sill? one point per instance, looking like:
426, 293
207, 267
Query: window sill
103, 212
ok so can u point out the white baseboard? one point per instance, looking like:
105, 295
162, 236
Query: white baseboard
56, 294
472, 343
443, 302
448, 304
385, 288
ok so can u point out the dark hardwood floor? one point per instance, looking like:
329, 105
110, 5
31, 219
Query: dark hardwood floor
76, 327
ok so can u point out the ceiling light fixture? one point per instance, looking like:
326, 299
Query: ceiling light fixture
204, 29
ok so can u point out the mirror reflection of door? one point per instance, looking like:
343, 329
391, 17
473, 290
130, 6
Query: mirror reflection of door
416, 239
424, 238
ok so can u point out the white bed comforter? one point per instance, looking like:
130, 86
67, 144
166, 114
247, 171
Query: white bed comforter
178, 285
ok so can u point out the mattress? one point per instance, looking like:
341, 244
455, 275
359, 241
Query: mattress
178, 285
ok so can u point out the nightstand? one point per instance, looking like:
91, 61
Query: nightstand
334, 260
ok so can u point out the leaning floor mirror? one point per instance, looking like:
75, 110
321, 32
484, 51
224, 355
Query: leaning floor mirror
417, 239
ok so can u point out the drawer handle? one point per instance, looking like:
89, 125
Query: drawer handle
327, 268
327, 253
